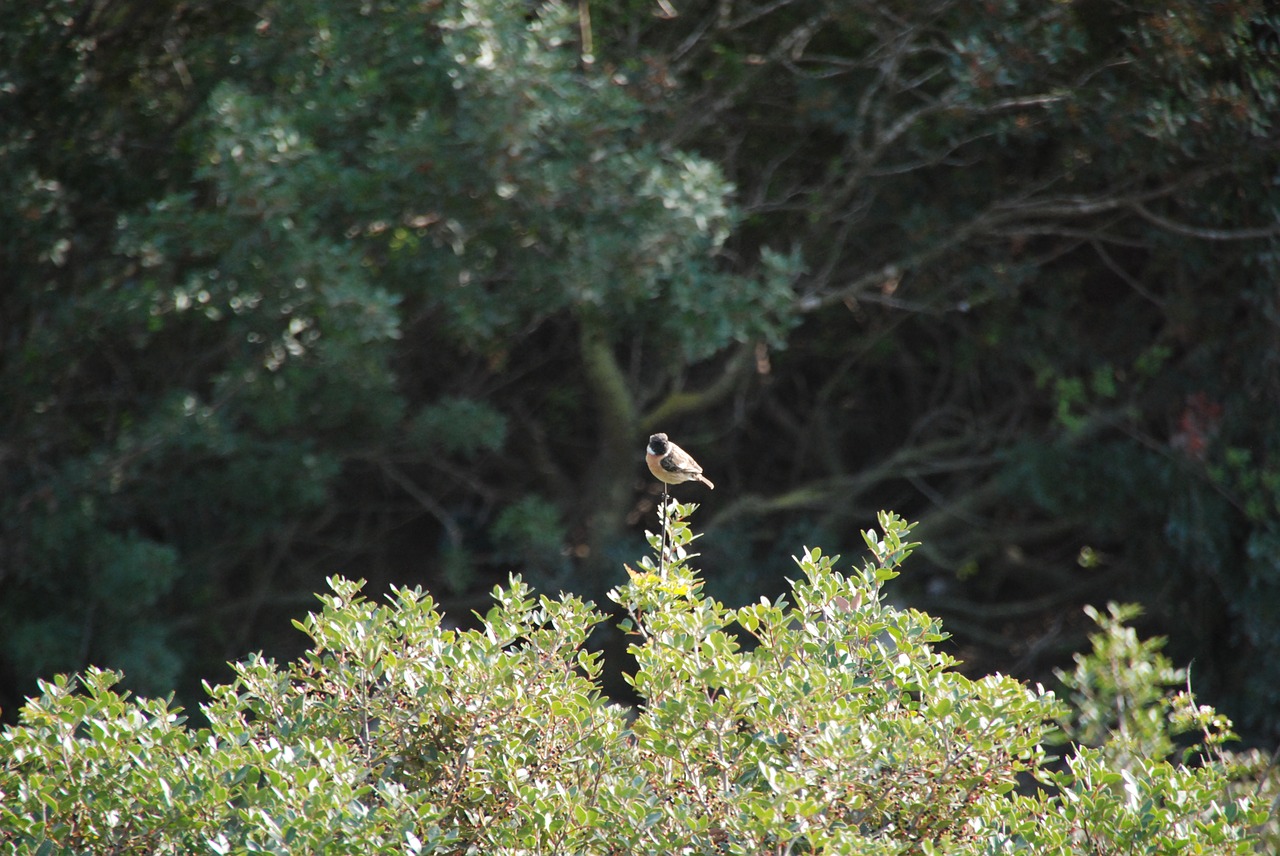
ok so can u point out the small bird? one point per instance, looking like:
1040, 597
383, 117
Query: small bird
671, 464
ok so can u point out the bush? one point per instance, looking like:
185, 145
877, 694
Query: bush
827, 724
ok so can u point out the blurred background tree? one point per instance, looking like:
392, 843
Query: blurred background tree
399, 290
1040, 300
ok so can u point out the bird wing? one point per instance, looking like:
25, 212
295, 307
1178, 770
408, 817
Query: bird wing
679, 461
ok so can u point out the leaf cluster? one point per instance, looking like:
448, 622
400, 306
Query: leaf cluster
829, 724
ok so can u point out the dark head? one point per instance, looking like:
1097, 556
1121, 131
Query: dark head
658, 444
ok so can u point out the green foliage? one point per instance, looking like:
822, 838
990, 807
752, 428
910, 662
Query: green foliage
190, 364
1035, 236
309, 306
824, 723
1126, 786
1117, 689
458, 426
529, 532
290, 287
485, 177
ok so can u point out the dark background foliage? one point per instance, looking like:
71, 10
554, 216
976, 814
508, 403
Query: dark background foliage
399, 290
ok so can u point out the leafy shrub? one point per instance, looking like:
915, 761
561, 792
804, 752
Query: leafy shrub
827, 724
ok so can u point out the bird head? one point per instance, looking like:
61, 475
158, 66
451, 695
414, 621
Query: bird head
658, 444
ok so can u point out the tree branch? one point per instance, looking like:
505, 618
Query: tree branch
425, 500
910, 461
681, 402
615, 407
1202, 233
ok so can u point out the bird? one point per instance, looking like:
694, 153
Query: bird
670, 464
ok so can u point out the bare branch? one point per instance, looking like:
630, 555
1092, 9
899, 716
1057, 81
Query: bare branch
1124, 275
425, 500
1203, 233
708, 113
907, 462
681, 402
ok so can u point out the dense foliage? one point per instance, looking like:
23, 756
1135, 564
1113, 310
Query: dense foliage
1040, 296
290, 287
824, 723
